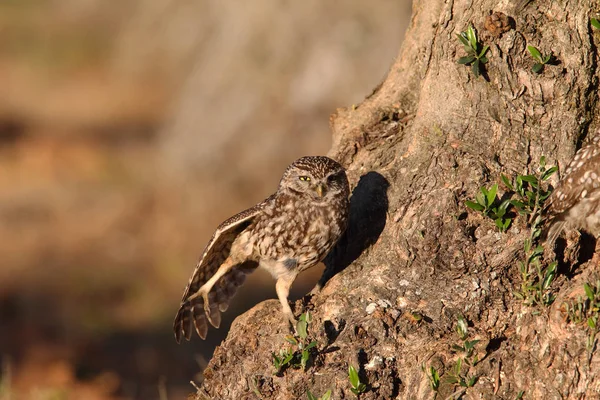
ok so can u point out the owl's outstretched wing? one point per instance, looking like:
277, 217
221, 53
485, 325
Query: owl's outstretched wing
216, 252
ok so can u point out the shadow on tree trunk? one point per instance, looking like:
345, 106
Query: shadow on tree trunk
368, 211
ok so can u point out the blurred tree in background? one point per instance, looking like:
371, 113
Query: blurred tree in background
127, 133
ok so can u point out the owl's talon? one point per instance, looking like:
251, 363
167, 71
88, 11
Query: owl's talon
315, 290
293, 323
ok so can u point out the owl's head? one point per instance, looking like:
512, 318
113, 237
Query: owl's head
315, 177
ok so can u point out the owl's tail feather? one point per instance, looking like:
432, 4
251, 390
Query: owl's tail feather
194, 312
190, 313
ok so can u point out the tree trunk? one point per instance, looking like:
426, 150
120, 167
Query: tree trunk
415, 258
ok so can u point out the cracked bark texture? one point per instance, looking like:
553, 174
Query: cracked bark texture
420, 145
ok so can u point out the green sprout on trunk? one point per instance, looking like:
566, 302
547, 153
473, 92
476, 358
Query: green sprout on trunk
302, 348
475, 51
357, 386
541, 60
490, 206
433, 376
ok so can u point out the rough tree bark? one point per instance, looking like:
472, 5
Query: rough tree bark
415, 150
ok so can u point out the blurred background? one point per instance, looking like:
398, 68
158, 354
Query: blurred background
128, 131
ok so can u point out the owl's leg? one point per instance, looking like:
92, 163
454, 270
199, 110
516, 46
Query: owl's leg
283, 290
207, 287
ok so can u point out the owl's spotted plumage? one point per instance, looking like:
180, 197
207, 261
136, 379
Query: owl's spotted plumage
290, 231
575, 202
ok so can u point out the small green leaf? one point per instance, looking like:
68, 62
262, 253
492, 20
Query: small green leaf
480, 197
472, 381
482, 53
435, 378
499, 224
530, 195
588, 291
491, 195
310, 345
291, 340
466, 60
537, 68
519, 295
472, 35
474, 206
327, 395
518, 204
475, 68
591, 323
304, 358
498, 212
287, 359
545, 196
535, 53
504, 205
539, 250
529, 178
507, 182
353, 376
307, 316
457, 348
463, 39
548, 173
527, 245
549, 277
595, 23
310, 395
301, 328
519, 181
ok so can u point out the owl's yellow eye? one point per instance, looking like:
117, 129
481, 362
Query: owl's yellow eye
304, 178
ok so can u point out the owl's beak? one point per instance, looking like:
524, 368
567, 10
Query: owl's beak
321, 190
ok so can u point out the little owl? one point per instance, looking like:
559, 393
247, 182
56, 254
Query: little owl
290, 231
575, 202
